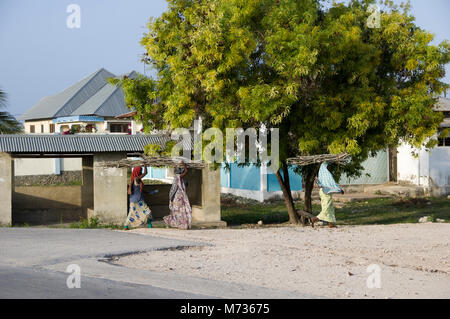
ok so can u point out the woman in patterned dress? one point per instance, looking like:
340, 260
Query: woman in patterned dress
139, 212
180, 208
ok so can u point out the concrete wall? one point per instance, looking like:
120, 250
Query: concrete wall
6, 187
47, 204
429, 169
110, 189
70, 164
375, 171
439, 165
45, 166
103, 194
208, 214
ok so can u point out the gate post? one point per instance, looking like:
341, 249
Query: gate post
6, 188
110, 189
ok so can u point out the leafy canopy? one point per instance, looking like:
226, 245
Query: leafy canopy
314, 69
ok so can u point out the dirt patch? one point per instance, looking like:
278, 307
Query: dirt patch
413, 259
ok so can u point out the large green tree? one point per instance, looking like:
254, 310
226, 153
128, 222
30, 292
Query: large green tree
8, 124
318, 71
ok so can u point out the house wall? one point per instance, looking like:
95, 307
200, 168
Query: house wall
440, 168
251, 182
413, 169
27, 167
45, 166
37, 126
428, 169
376, 171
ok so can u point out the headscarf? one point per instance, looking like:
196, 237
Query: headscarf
173, 190
137, 171
326, 180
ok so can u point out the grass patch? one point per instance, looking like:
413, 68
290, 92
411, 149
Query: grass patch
269, 213
370, 212
393, 211
93, 223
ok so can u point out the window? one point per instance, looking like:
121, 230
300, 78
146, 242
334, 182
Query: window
52, 128
42, 128
444, 141
119, 128
31, 128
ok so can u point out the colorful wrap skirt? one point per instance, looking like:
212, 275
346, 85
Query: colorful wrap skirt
139, 214
180, 209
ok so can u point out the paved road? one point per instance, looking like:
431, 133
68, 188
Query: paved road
44, 246
33, 264
26, 253
29, 283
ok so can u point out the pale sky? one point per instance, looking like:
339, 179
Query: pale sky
41, 56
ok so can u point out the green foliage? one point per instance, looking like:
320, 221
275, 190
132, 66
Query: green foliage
92, 222
8, 124
329, 82
140, 94
157, 150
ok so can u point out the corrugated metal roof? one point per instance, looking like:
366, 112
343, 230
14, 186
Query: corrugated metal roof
89, 96
78, 143
98, 99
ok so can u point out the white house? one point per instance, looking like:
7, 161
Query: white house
92, 105
429, 169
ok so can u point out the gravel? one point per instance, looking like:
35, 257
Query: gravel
413, 259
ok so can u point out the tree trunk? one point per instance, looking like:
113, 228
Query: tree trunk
286, 189
309, 176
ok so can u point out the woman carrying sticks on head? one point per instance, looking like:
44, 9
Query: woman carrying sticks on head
327, 186
180, 208
139, 212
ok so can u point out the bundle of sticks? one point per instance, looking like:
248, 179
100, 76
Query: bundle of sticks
154, 161
314, 159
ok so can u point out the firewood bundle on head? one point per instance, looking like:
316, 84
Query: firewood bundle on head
314, 159
154, 161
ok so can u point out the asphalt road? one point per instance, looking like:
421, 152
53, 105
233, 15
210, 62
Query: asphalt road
29, 283
34, 261
26, 253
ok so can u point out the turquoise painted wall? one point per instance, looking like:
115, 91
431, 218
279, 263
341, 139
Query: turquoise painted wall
158, 172
294, 179
246, 177
223, 177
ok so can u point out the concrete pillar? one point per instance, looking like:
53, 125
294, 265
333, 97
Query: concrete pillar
87, 189
208, 214
6, 188
110, 189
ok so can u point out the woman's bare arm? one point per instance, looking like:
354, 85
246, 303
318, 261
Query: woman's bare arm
145, 173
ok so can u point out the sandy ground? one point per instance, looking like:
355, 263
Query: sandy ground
414, 259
